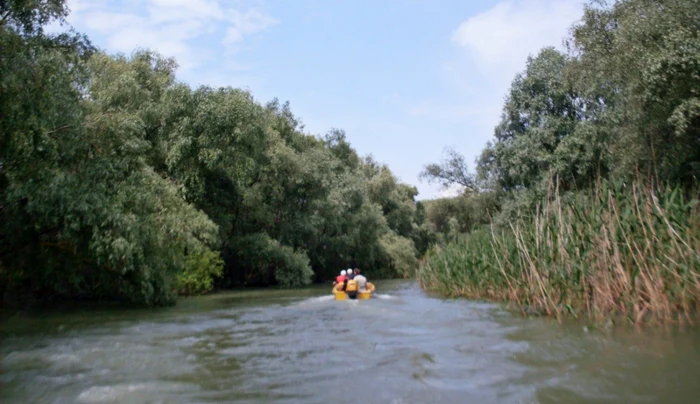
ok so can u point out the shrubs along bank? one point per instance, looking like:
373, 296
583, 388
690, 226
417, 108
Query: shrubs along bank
119, 182
591, 176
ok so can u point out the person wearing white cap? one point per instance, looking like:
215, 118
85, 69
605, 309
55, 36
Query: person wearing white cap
340, 278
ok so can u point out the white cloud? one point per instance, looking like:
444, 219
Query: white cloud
450, 191
179, 10
493, 48
245, 24
500, 39
171, 27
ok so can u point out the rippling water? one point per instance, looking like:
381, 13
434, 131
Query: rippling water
304, 347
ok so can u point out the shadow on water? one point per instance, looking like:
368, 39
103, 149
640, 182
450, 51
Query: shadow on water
265, 345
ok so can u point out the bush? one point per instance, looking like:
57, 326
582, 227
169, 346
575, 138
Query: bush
401, 253
268, 261
200, 269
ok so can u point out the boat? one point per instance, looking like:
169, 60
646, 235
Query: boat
361, 295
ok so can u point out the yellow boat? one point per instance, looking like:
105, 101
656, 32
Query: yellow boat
361, 295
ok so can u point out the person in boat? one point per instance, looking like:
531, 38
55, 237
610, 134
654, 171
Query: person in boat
340, 278
351, 288
349, 275
360, 279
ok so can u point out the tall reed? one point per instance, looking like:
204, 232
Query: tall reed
609, 252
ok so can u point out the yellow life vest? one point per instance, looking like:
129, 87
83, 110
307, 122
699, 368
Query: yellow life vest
351, 286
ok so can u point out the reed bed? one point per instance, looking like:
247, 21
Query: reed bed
610, 253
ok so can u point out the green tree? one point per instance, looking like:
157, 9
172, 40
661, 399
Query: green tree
533, 142
117, 181
637, 65
83, 214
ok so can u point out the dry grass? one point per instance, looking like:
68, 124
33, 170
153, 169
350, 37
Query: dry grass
608, 253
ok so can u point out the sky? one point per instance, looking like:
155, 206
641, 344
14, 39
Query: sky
403, 78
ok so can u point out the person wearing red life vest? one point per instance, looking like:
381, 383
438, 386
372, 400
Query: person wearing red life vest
340, 278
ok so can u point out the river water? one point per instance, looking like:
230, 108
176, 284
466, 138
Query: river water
303, 347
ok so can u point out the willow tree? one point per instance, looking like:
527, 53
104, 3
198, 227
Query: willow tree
83, 214
637, 65
118, 181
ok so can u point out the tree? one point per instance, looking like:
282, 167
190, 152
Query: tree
27, 17
637, 64
533, 140
118, 182
452, 170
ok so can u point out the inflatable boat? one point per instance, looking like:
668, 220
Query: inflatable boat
361, 295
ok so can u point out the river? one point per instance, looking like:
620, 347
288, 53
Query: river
300, 346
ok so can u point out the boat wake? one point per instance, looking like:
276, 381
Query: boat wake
322, 299
317, 299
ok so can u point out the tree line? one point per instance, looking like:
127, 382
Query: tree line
117, 181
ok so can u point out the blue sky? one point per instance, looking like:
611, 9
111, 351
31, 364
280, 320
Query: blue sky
403, 78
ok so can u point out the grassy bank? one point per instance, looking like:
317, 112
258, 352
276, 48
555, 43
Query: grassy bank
611, 252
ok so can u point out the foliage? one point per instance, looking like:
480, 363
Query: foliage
29, 16
200, 269
637, 65
452, 170
119, 182
610, 252
83, 214
621, 107
533, 141
401, 252
461, 214
267, 259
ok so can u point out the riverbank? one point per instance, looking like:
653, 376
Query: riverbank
608, 254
